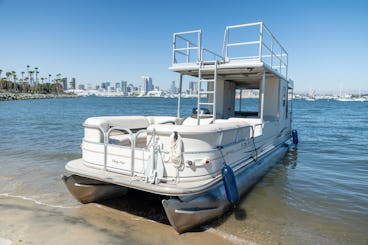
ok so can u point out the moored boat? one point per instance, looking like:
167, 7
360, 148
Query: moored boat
204, 162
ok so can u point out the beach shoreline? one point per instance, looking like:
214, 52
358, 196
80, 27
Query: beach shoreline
26, 222
7, 96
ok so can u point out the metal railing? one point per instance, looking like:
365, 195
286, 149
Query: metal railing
187, 47
132, 139
266, 48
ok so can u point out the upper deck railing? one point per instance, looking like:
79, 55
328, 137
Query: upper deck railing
247, 42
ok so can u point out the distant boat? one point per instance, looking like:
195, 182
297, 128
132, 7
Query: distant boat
310, 99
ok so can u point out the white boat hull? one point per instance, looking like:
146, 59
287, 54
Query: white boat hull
186, 211
190, 211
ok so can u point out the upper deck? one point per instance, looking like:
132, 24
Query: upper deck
249, 50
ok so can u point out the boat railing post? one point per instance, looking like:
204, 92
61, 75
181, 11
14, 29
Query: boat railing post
174, 52
199, 52
272, 52
226, 42
260, 41
188, 51
262, 94
179, 97
106, 138
214, 111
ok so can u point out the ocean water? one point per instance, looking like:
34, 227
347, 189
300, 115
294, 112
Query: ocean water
318, 194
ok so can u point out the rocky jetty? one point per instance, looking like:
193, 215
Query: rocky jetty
29, 96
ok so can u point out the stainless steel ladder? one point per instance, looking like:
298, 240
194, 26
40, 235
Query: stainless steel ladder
207, 65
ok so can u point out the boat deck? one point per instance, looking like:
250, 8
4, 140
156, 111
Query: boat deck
79, 167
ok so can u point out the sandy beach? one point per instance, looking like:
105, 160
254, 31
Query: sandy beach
27, 222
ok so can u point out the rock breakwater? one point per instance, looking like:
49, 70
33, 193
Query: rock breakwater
29, 96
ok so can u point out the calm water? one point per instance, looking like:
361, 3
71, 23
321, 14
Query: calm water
318, 194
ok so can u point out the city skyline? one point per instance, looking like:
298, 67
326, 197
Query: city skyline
114, 41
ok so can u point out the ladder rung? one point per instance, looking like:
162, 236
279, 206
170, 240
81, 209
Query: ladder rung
208, 62
208, 114
206, 80
205, 103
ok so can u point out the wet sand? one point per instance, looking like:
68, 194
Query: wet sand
25, 222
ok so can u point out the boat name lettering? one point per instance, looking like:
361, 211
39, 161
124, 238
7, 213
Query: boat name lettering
117, 161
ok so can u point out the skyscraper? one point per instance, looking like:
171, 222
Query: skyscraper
147, 84
173, 88
72, 83
64, 83
124, 85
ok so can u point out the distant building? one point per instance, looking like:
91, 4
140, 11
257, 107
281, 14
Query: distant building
64, 83
131, 88
89, 86
147, 84
117, 86
193, 87
72, 83
105, 85
173, 88
81, 87
124, 86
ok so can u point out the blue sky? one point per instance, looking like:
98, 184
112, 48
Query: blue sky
96, 40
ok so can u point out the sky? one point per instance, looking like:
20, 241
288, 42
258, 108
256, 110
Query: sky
112, 40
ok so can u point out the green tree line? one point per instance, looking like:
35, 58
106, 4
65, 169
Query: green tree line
30, 82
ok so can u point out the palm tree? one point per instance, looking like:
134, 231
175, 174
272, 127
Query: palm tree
58, 81
49, 78
26, 82
8, 74
36, 69
29, 75
22, 75
14, 74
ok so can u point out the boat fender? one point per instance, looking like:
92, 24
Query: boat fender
231, 188
294, 134
176, 149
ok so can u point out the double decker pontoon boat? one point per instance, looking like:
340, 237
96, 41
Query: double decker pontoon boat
204, 162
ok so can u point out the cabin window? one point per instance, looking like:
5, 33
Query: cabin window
247, 102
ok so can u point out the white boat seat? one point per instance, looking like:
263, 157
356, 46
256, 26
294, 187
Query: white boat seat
123, 140
190, 121
131, 122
